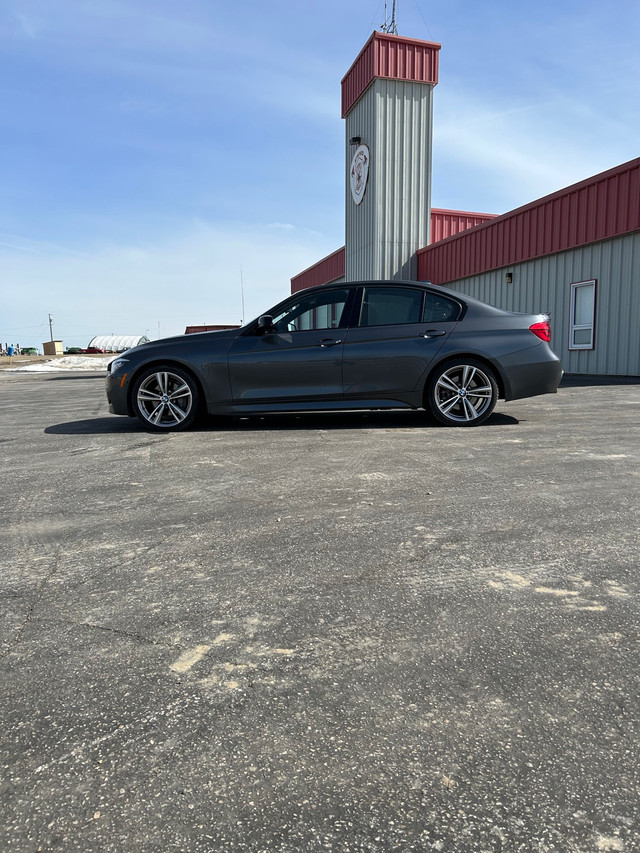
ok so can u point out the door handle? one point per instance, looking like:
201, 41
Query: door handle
329, 342
432, 333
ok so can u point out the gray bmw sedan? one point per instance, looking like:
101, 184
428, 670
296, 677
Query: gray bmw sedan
348, 346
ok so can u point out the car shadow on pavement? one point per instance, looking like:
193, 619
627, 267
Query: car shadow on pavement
583, 380
84, 374
312, 421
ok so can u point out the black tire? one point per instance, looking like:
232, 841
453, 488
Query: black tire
166, 398
462, 392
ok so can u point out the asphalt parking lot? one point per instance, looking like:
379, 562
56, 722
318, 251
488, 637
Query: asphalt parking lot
336, 632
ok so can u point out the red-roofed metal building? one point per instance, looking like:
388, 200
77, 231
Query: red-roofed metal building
574, 253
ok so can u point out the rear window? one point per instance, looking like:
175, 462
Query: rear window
394, 305
388, 306
439, 309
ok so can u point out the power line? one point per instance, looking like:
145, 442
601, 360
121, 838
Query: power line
21, 329
424, 20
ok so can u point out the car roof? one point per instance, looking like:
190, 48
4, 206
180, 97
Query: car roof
470, 301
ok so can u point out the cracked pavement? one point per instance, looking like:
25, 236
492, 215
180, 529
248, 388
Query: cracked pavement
334, 632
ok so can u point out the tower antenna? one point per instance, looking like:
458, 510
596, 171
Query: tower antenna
390, 26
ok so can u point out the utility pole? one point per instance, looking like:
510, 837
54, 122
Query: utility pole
50, 327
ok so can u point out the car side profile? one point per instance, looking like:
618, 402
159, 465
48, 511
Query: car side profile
348, 346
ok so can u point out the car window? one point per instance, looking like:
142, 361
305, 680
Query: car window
313, 311
383, 306
439, 309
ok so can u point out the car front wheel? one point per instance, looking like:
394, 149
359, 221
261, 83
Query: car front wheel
462, 392
166, 398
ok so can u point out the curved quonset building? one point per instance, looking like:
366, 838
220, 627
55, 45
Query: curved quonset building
117, 343
574, 253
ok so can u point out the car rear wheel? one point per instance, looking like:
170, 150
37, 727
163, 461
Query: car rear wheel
462, 392
166, 398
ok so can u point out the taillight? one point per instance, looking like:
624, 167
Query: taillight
542, 330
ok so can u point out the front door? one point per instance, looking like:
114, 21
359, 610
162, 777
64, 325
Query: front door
299, 360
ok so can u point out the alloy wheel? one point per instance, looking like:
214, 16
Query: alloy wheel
164, 399
464, 394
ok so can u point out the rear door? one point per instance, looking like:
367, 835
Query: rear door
397, 333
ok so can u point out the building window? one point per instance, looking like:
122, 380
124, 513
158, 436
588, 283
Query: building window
583, 315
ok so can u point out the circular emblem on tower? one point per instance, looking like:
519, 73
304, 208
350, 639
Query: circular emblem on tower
359, 173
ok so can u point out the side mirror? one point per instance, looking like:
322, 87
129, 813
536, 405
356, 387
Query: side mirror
265, 324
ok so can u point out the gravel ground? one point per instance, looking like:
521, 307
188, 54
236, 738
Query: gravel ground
337, 632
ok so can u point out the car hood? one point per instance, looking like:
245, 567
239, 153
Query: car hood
165, 345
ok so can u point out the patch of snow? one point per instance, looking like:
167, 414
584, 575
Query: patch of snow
67, 362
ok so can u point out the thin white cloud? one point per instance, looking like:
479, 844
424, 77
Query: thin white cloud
24, 245
197, 52
499, 155
27, 25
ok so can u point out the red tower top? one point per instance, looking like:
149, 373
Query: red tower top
393, 57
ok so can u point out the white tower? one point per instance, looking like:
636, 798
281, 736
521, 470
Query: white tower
387, 104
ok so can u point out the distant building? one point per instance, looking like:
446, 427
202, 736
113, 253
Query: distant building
192, 330
116, 343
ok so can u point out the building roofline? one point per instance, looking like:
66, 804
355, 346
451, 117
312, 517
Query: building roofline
603, 206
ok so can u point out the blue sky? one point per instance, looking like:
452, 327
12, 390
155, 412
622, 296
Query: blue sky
157, 153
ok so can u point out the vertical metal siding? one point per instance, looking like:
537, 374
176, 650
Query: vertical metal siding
328, 269
446, 223
359, 77
543, 284
395, 57
602, 207
406, 59
384, 232
360, 220
403, 174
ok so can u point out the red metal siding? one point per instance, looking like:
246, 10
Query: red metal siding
326, 270
446, 223
394, 57
602, 207
406, 59
192, 330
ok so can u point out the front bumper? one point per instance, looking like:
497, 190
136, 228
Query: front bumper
116, 389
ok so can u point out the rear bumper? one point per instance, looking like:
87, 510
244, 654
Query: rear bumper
531, 372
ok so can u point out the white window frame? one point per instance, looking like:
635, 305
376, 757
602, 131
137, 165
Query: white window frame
581, 327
